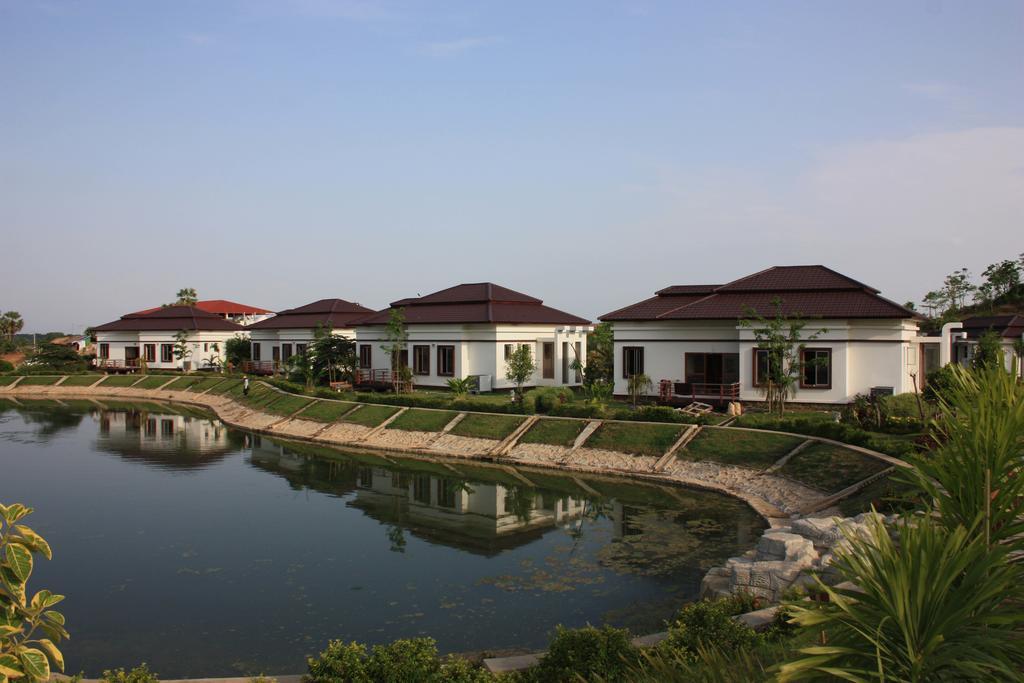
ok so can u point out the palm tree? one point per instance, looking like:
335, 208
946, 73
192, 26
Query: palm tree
12, 323
187, 297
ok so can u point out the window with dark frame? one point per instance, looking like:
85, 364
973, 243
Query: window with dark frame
421, 359
711, 368
149, 352
446, 361
760, 367
286, 351
817, 369
548, 360
421, 489
167, 353
256, 351
104, 351
300, 349
275, 353
632, 361
166, 427
446, 490
365, 356
508, 350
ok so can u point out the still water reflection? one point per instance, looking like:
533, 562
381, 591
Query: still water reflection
205, 550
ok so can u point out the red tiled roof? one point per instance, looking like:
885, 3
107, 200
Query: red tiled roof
811, 291
169, 318
481, 302
222, 307
1008, 326
332, 312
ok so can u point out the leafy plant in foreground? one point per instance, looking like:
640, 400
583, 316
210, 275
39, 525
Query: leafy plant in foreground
24, 655
931, 604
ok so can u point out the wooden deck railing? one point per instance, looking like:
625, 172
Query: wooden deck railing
260, 367
695, 390
118, 365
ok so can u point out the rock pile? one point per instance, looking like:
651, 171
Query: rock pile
785, 557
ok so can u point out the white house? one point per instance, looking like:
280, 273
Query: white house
242, 314
1010, 329
470, 330
688, 338
152, 336
275, 339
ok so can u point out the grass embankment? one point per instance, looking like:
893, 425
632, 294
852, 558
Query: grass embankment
81, 380
636, 438
183, 383
227, 386
327, 411
206, 383
830, 468
423, 420
479, 426
119, 381
370, 415
554, 432
39, 381
733, 447
8, 379
152, 382
286, 404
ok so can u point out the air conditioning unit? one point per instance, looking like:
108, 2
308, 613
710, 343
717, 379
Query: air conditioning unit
481, 384
881, 391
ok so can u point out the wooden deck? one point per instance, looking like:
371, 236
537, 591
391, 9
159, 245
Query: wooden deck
114, 366
684, 393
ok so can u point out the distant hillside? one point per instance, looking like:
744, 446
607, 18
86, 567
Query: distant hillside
1011, 303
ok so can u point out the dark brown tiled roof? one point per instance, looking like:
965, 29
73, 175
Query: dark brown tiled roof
333, 312
170, 318
222, 306
1007, 326
481, 302
811, 291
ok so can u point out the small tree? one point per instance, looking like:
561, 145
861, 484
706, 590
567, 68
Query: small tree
600, 354
989, 351
182, 347
333, 354
238, 349
302, 367
460, 387
398, 339
24, 655
11, 323
781, 337
520, 368
186, 297
637, 386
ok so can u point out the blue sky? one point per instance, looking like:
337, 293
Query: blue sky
587, 153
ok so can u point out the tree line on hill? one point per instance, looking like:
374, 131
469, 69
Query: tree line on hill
1000, 288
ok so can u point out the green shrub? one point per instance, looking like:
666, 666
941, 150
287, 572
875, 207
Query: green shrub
403, 661
544, 399
937, 382
709, 623
6, 366
828, 429
140, 674
592, 411
657, 414
586, 654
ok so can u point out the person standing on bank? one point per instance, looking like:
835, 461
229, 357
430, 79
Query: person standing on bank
245, 386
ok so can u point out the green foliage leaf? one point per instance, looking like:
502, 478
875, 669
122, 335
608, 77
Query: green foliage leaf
19, 560
11, 667
52, 651
35, 663
44, 599
15, 587
54, 617
34, 541
13, 513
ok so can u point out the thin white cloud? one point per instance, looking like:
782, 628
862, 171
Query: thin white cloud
454, 47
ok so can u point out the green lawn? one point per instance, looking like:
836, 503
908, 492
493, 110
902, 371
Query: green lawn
554, 432
480, 426
735, 447
637, 438
183, 383
205, 383
81, 380
259, 396
38, 381
153, 382
830, 468
227, 386
287, 404
370, 416
7, 379
326, 411
423, 420
119, 380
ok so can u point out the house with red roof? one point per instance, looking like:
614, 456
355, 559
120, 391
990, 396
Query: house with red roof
470, 330
277, 338
690, 341
150, 337
242, 314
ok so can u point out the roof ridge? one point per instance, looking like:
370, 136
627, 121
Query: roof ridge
695, 301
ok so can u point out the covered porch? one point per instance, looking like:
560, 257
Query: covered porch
707, 377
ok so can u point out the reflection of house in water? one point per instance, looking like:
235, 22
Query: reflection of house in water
165, 439
481, 517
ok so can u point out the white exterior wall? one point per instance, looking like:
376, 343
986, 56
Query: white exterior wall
201, 343
268, 339
480, 350
865, 354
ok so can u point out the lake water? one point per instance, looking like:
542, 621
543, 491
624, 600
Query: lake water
208, 551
